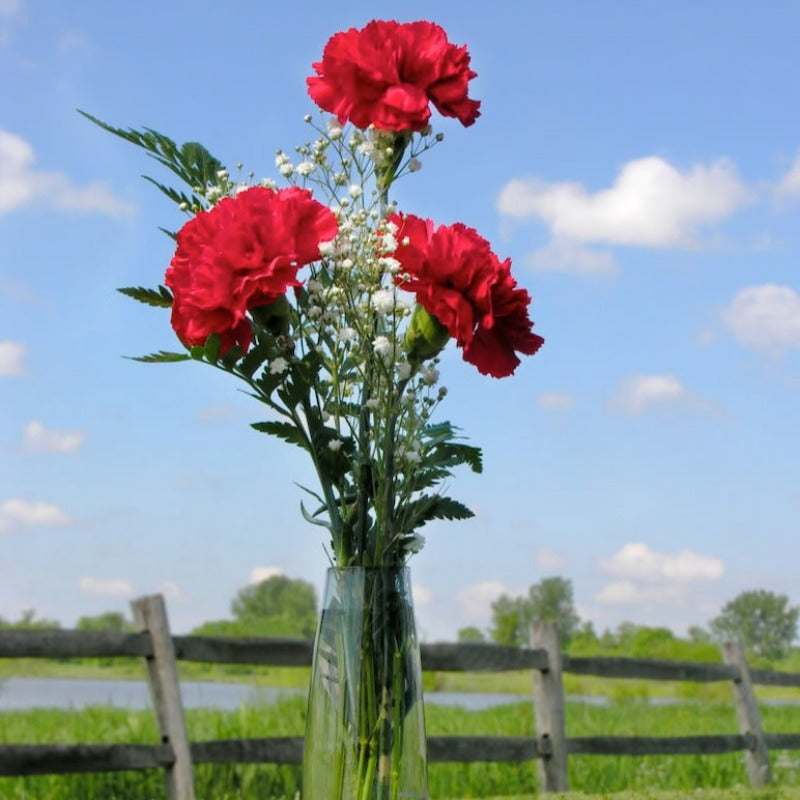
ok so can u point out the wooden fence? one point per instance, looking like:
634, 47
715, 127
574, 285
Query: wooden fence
550, 747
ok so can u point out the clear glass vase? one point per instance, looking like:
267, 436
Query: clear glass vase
365, 730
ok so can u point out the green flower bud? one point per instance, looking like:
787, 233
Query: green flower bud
425, 337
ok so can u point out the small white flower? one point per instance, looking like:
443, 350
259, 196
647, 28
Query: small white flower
382, 346
278, 365
340, 178
286, 169
406, 241
324, 416
240, 187
314, 312
414, 165
372, 403
222, 174
327, 249
314, 286
390, 264
416, 543
307, 118
305, 168
347, 334
388, 243
334, 128
413, 457
383, 301
348, 263
184, 206
268, 183
404, 370
368, 149
281, 158
335, 444
430, 375
354, 191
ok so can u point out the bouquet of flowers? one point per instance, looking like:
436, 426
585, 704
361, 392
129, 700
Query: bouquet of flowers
332, 306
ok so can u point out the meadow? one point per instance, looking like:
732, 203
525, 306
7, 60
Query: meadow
628, 714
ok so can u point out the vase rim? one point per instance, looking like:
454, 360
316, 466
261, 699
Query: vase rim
358, 567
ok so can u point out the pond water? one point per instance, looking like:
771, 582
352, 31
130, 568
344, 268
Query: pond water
22, 694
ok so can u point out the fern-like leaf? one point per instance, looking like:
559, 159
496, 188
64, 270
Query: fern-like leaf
161, 297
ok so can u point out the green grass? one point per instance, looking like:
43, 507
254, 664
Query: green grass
720, 776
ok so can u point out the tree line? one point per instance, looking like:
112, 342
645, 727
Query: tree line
765, 621
287, 607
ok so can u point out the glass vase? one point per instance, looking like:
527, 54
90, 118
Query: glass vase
365, 730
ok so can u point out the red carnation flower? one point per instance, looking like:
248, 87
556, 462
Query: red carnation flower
387, 73
242, 253
459, 280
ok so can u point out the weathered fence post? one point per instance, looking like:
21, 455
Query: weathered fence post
548, 709
150, 614
757, 755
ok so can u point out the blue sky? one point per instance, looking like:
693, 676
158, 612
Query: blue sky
638, 162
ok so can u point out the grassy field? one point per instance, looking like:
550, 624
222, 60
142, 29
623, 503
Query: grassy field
597, 774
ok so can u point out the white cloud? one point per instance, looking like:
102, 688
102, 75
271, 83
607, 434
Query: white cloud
637, 562
555, 400
789, 184
423, 595
474, 601
765, 317
106, 588
16, 512
563, 255
37, 438
546, 558
651, 203
641, 393
21, 184
625, 593
259, 574
11, 355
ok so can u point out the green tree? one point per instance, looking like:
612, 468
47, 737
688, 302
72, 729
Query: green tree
28, 622
107, 621
550, 599
765, 621
277, 606
471, 634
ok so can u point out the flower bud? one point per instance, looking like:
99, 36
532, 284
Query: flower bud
425, 337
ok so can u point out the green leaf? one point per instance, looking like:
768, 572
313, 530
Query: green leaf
312, 518
191, 162
161, 297
429, 507
161, 357
450, 455
212, 348
425, 478
254, 359
283, 430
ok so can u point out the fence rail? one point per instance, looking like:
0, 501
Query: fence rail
549, 748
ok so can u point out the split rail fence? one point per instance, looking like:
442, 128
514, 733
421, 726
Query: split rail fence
550, 746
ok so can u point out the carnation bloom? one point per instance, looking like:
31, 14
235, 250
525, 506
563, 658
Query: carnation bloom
242, 253
388, 73
459, 281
